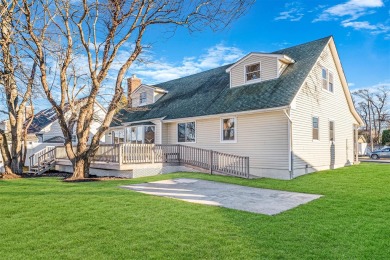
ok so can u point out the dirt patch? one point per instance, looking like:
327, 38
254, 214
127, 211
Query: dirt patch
93, 178
57, 174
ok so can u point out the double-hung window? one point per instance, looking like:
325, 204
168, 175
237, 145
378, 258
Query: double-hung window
315, 123
252, 72
229, 128
186, 132
142, 98
327, 80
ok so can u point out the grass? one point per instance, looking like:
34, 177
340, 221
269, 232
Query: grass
44, 218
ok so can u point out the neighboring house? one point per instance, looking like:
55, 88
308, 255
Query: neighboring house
289, 111
45, 132
46, 127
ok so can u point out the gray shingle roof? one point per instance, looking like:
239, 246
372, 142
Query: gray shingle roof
42, 119
208, 92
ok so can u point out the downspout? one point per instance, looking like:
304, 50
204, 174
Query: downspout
290, 145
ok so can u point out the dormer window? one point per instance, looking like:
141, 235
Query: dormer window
252, 72
142, 98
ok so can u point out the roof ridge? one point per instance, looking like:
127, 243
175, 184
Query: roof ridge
310, 42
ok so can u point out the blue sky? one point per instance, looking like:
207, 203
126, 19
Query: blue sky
361, 29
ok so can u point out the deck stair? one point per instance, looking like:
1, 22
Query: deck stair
43, 160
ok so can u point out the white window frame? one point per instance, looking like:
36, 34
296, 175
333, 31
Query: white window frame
327, 79
245, 72
221, 129
177, 132
113, 135
128, 141
334, 130
141, 98
318, 128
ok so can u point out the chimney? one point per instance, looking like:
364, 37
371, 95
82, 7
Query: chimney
132, 84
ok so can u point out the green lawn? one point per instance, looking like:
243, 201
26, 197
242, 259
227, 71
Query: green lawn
45, 218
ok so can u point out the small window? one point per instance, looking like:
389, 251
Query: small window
142, 98
324, 78
229, 129
149, 135
331, 131
74, 138
330, 88
327, 80
252, 72
186, 132
315, 128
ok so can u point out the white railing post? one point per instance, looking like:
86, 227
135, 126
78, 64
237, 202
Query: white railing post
120, 146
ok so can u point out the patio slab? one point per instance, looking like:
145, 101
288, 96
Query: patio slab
256, 200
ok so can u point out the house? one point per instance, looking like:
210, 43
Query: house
290, 112
44, 132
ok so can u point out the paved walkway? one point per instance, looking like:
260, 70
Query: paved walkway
264, 201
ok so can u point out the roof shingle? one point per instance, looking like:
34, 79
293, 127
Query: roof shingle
208, 92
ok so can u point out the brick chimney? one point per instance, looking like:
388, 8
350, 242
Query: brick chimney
132, 84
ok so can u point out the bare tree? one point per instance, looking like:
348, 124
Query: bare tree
98, 31
17, 86
373, 107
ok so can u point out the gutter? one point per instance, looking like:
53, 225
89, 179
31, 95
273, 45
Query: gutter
228, 114
290, 144
140, 121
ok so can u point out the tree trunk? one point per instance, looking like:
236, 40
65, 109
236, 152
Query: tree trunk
81, 168
8, 173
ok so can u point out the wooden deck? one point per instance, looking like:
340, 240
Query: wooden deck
129, 156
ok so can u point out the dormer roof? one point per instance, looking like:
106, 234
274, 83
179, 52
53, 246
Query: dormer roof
154, 88
284, 58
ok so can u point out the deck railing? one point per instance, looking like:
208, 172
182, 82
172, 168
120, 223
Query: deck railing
209, 160
35, 158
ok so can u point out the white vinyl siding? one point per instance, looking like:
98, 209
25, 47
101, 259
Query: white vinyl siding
269, 70
261, 136
312, 100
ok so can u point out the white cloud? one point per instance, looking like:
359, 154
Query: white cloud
350, 84
374, 28
293, 12
159, 70
352, 10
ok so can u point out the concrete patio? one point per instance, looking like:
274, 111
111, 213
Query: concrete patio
256, 200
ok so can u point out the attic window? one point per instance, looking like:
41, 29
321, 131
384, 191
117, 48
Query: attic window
327, 80
252, 71
142, 98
